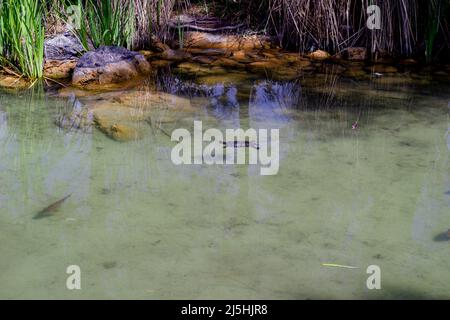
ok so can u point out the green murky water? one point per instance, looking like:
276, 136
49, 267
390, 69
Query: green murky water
140, 227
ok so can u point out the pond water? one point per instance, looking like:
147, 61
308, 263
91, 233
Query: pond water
140, 227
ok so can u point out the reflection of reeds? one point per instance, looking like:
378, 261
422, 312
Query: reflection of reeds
436, 9
152, 17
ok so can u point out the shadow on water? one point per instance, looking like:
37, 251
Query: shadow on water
392, 292
442, 237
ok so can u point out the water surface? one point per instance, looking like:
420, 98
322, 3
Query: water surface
140, 227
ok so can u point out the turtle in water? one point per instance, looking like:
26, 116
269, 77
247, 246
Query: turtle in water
240, 144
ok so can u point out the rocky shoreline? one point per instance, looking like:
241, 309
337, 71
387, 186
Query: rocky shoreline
205, 53
104, 73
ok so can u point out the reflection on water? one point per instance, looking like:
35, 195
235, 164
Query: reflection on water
140, 227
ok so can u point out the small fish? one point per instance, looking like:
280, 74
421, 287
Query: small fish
355, 126
51, 209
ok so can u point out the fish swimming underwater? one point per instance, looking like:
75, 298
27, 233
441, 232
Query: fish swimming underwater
51, 209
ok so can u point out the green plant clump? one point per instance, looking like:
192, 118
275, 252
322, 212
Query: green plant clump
22, 36
106, 22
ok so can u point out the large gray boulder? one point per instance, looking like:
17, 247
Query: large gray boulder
108, 65
61, 55
63, 46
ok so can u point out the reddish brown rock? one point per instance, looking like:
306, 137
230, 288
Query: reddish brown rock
59, 69
195, 39
319, 55
204, 59
147, 53
208, 52
409, 62
382, 68
239, 55
265, 64
119, 132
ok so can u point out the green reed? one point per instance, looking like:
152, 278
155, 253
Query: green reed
22, 36
106, 22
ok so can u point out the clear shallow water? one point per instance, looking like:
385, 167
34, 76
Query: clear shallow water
140, 227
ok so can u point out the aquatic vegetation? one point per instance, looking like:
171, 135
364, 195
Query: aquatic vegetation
22, 36
342, 24
105, 22
152, 18
436, 11
291, 23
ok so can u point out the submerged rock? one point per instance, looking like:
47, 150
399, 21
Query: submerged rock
230, 78
193, 68
118, 122
240, 56
408, 62
265, 65
147, 100
382, 68
227, 63
204, 59
115, 112
80, 119
109, 65
175, 55
208, 52
355, 70
117, 131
